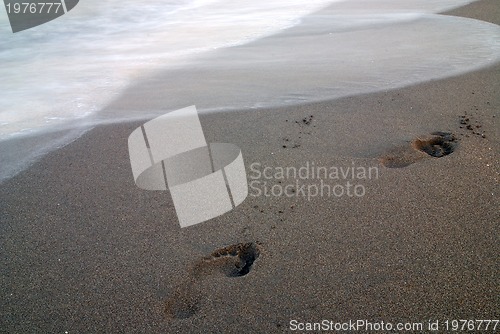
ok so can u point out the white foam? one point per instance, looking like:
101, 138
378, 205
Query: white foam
72, 66
61, 74
328, 56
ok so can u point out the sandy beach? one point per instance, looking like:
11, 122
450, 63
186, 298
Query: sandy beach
83, 250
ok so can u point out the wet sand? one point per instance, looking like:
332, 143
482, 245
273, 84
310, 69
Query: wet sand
84, 250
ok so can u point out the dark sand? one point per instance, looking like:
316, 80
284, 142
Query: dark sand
84, 250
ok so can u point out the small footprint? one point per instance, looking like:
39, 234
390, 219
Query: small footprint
231, 261
437, 145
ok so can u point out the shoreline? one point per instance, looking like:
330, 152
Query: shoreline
86, 250
319, 74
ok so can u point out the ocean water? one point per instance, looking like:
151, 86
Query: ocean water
221, 55
71, 67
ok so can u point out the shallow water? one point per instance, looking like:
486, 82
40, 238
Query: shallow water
70, 68
61, 75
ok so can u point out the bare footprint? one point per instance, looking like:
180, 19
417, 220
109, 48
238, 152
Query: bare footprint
437, 145
232, 261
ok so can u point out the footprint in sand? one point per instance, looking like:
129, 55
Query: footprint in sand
437, 145
232, 261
